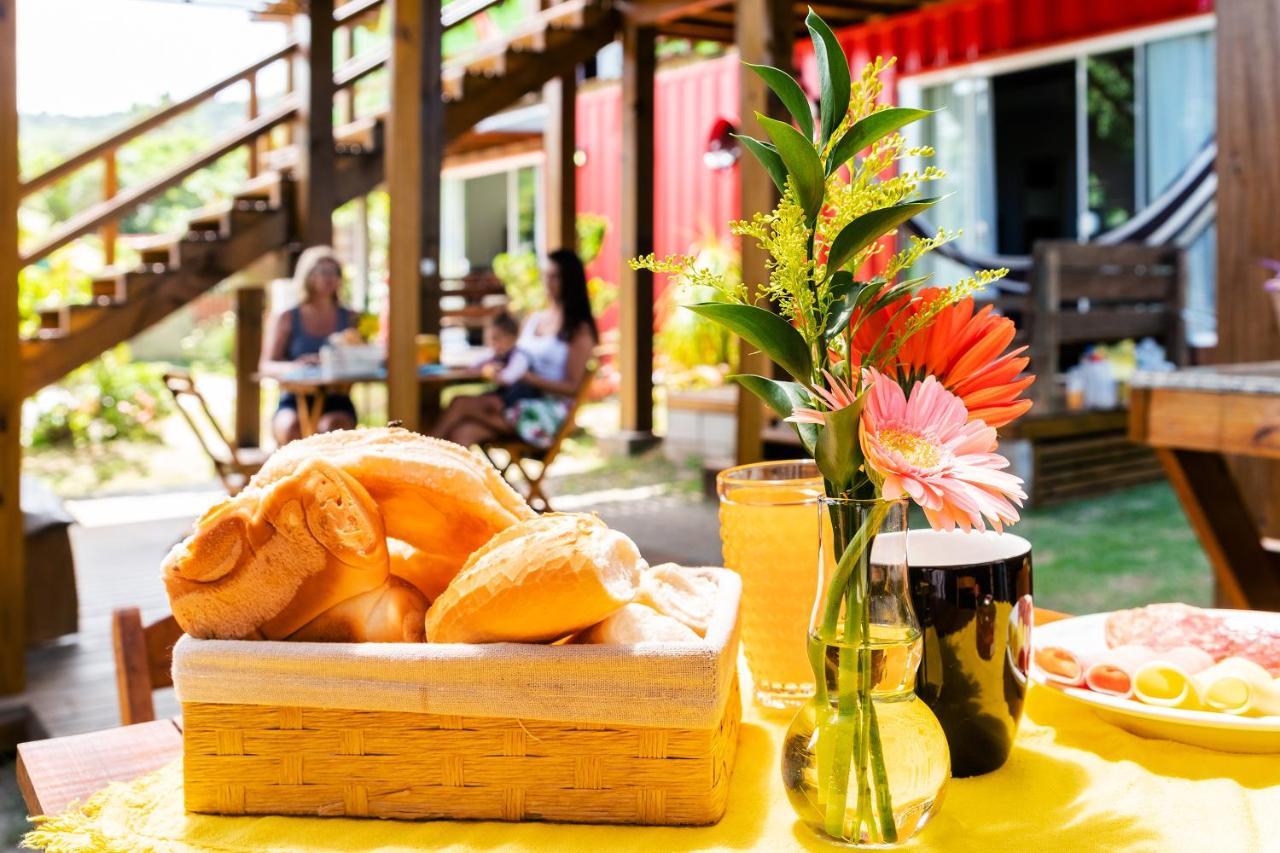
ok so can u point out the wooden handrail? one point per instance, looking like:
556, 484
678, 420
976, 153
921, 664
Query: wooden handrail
360, 67
96, 151
107, 211
460, 11
349, 11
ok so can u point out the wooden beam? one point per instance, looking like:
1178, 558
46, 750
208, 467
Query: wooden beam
251, 302
316, 156
635, 356
415, 151
763, 36
559, 141
12, 568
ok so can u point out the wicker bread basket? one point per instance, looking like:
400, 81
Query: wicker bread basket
642, 734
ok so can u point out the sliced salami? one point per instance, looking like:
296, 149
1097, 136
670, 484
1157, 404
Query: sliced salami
1166, 626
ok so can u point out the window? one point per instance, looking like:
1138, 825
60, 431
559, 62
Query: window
1073, 147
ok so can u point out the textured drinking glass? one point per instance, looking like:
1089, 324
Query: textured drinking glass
769, 533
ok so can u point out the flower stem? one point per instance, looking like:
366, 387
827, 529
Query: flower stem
851, 733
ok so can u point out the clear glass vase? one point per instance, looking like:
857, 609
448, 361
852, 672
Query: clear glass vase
865, 763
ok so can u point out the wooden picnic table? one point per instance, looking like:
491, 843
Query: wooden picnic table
1195, 418
312, 386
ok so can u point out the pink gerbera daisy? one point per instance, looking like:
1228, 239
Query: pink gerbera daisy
926, 447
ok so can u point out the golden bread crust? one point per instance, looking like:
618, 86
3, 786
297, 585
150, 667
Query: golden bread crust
536, 582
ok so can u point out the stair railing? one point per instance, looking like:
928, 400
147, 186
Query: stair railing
254, 134
104, 216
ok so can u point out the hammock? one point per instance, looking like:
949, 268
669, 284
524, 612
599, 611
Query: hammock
1177, 217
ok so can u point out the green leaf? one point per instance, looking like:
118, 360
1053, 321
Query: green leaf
837, 452
768, 157
845, 292
783, 397
833, 72
802, 162
869, 227
869, 131
765, 331
790, 93
890, 295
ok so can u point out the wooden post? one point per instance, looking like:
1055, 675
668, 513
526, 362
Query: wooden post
110, 186
251, 302
635, 356
1248, 185
13, 627
559, 141
763, 34
317, 159
415, 152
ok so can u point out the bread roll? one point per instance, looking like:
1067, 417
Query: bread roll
429, 573
685, 594
392, 613
638, 623
538, 581
270, 560
439, 497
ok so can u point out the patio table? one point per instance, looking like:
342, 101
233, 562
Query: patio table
1194, 418
311, 386
1072, 783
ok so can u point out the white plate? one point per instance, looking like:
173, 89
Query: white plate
1086, 635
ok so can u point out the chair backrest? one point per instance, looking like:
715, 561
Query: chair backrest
1084, 293
144, 655
569, 424
215, 443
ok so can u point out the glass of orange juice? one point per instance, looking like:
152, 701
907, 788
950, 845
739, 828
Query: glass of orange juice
769, 534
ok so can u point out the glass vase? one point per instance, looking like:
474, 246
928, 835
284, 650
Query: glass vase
865, 762
769, 534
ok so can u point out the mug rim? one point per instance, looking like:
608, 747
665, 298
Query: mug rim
1014, 547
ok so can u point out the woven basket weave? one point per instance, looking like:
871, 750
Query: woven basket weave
445, 731
242, 759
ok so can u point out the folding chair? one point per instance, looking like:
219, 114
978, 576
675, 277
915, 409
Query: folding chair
235, 465
531, 461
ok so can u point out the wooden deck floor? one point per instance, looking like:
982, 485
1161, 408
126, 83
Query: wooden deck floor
71, 685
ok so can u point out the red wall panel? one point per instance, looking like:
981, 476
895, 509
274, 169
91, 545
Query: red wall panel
690, 200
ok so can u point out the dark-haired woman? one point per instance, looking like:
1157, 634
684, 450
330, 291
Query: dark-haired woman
558, 341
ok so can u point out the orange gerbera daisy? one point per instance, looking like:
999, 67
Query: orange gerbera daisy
963, 349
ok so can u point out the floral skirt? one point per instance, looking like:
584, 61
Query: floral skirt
537, 420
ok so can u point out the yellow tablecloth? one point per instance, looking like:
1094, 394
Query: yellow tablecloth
1073, 783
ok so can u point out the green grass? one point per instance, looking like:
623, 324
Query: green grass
1119, 550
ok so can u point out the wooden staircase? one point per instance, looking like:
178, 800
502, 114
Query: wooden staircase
259, 218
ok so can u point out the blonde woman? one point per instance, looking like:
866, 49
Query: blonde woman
294, 338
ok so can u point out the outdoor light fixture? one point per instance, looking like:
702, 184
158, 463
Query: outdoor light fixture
722, 149
579, 157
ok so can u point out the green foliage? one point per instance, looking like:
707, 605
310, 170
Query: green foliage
111, 398
211, 344
828, 223
691, 348
783, 397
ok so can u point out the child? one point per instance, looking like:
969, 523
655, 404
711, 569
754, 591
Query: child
509, 364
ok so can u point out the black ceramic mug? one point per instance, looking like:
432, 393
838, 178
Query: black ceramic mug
972, 596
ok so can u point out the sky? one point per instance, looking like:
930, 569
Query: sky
90, 57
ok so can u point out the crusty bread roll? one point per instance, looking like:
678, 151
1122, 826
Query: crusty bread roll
637, 623
538, 581
392, 613
270, 560
685, 594
437, 496
428, 572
